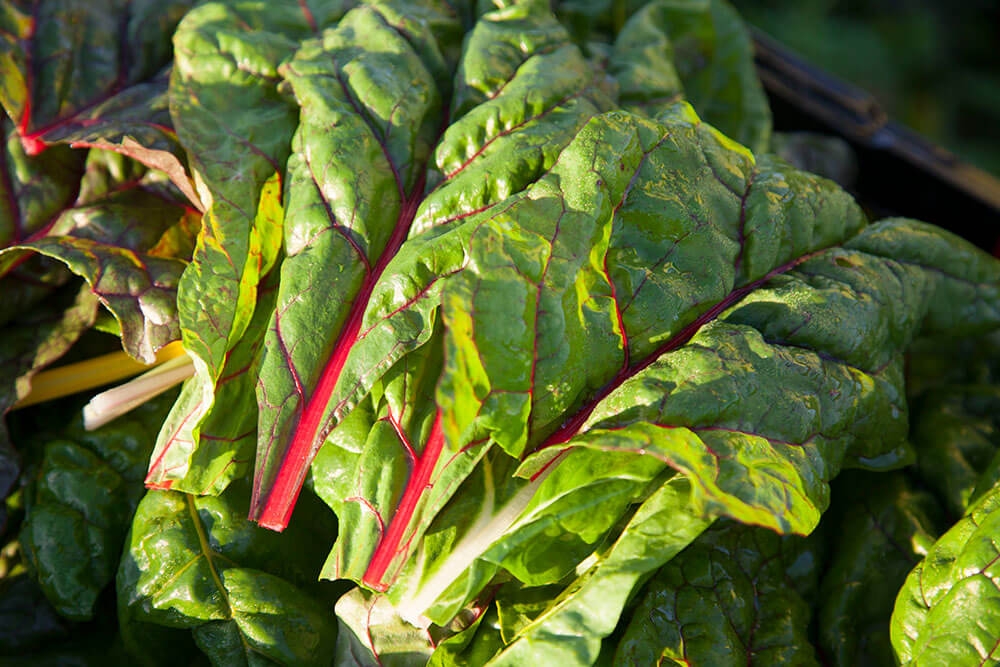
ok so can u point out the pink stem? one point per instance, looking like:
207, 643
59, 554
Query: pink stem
391, 543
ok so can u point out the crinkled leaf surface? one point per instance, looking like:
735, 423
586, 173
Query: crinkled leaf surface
728, 599
723, 357
522, 91
731, 317
205, 459
723, 360
59, 59
948, 611
112, 234
236, 126
883, 527
107, 243
135, 123
244, 594
80, 507
570, 629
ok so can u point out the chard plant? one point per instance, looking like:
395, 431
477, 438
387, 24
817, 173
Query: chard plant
502, 338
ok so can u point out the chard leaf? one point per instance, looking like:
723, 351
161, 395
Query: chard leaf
34, 190
80, 505
712, 358
948, 611
342, 226
30, 342
719, 361
888, 522
522, 93
245, 595
561, 518
712, 362
569, 631
60, 59
227, 110
226, 62
105, 242
114, 235
726, 600
134, 123
713, 55
203, 458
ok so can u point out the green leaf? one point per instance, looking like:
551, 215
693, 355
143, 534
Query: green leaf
107, 242
204, 457
522, 93
59, 59
244, 593
134, 123
878, 535
723, 359
74, 527
34, 191
537, 530
727, 599
227, 109
339, 226
80, 505
948, 611
569, 631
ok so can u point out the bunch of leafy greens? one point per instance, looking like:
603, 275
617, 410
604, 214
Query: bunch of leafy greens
518, 293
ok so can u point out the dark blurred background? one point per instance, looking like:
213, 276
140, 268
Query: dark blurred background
933, 66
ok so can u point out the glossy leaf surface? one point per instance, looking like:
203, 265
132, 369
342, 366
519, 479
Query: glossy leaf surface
243, 593
726, 600
81, 507
522, 92
227, 110
955, 583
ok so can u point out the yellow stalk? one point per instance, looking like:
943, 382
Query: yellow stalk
91, 373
